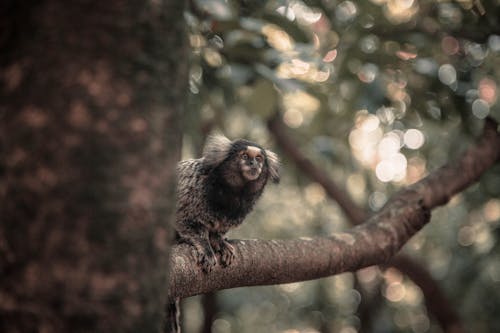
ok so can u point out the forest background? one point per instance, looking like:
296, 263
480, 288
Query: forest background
359, 99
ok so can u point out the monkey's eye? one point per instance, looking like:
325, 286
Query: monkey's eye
258, 159
244, 156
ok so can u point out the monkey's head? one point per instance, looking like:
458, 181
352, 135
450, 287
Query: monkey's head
251, 161
241, 161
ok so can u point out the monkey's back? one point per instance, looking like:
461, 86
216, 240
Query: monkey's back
194, 210
191, 203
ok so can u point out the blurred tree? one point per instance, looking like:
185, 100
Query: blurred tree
90, 100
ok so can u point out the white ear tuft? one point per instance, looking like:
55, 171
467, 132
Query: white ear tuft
273, 163
216, 149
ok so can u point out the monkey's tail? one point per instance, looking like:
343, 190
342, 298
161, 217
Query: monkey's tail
172, 317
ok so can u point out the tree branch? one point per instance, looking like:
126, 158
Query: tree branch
436, 301
261, 262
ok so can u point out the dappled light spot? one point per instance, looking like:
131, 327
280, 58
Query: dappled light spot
476, 52
405, 55
348, 329
369, 44
330, 56
377, 200
494, 271
368, 73
345, 237
123, 99
322, 76
367, 122
291, 287
399, 11
212, 57
488, 90
420, 323
300, 107
78, 115
395, 292
17, 156
480, 108
494, 43
392, 168
315, 193
413, 295
346, 11
221, 325
197, 41
368, 275
466, 235
299, 67
491, 211
356, 185
34, 116
365, 137
138, 125
293, 118
386, 115
416, 169
426, 66
287, 12
46, 176
278, 38
389, 145
450, 45
306, 14
392, 275
413, 138
12, 76
447, 74
219, 9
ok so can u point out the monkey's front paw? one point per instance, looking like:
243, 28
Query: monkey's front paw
206, 261
226, 253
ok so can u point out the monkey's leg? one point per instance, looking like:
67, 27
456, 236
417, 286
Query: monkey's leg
204, 253
222, 246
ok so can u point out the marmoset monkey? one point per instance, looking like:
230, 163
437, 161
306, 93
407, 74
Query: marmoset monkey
214, 194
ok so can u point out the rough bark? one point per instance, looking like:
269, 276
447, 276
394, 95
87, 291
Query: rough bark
260, 262
90, 101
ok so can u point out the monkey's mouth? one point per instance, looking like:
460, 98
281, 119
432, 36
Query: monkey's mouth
251, 173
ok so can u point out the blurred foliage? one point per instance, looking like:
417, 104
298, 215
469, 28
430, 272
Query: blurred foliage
378, 93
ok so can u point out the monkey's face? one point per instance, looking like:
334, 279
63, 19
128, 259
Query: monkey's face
251, 162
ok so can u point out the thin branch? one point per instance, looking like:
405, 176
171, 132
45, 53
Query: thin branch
355, 214
261, 262
437, 304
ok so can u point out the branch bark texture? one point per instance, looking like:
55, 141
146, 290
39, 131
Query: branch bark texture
260, 262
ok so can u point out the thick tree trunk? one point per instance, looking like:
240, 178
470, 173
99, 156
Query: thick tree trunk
90, 101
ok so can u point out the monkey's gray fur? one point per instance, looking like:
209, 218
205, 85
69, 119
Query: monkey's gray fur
217, 191
214, 194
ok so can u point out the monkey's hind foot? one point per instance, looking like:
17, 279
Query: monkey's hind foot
205, 258
206, 262
226, 251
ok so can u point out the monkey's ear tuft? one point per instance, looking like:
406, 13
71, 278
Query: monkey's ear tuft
216, 149
273, 163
